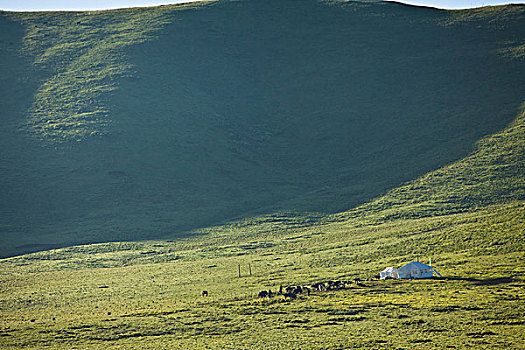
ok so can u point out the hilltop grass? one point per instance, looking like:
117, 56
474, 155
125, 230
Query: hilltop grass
132, 295
85, 55
85, 63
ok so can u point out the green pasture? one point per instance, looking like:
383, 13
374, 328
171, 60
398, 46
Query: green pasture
147, 295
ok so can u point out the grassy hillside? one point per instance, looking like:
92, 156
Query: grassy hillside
147, 123
292, 142
493, 173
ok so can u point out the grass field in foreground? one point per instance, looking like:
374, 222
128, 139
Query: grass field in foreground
147, 295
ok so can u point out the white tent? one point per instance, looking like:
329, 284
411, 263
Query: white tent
416, 269
389, 272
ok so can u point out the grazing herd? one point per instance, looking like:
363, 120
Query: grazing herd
291, 292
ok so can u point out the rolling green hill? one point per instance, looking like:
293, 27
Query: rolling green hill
145, 123
240, 146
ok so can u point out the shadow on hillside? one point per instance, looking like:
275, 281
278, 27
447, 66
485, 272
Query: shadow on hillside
302, 108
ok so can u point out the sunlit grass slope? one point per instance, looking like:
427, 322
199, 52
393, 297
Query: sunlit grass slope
147, 123
83, 52
493, 173
147, 295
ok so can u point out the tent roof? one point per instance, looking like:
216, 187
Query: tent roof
388, 269
415, 265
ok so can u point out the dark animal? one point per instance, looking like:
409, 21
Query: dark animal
307, 290
290, 295
297, 290
281, 289
204, 293
263, 294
